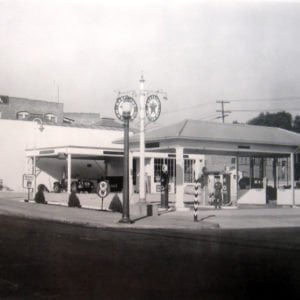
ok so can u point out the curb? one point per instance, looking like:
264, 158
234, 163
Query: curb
190, 226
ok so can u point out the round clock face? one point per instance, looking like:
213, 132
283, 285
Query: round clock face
119, 107
153, 108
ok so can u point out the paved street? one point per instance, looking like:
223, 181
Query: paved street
49, 260
86, 254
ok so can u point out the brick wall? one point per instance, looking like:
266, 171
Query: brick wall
34, 107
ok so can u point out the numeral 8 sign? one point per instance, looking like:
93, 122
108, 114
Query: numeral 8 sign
103, 189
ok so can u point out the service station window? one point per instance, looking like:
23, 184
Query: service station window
189, 170
171, 163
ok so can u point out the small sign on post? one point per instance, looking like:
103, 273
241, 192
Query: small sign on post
103, 191
28, 180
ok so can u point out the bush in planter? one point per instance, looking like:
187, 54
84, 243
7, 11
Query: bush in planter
116, 204
74, 200
39, 196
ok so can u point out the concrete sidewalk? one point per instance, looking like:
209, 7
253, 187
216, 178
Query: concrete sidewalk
208, 218
97, 218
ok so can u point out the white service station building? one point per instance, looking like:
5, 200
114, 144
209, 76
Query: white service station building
94, 152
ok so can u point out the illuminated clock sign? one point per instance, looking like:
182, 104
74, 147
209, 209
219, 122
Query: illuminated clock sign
153, 108
119, 107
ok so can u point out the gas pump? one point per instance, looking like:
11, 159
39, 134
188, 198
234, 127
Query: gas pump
226, 188
164, 180
225, 179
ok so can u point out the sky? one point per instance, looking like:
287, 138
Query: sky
198, 52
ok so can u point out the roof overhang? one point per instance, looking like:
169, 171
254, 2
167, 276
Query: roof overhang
216, 147
77, 152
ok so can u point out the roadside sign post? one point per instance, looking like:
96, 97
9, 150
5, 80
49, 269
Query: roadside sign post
103, 191
196, 201
27, 184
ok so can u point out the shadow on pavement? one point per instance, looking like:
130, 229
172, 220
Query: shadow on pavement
140, 218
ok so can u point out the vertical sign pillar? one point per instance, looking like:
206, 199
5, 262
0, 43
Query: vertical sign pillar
179, 178
34, 171
142, 141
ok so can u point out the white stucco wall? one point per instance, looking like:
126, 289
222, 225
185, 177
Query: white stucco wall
55, 136
252, 196
16, 136
285, 197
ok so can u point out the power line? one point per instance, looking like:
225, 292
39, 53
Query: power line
233, 100
208, 116
188, 108
196, 115
266, 99
266, 110
211, 118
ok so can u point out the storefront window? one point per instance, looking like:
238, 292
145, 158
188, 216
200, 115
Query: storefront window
171, 163
189, 170
243, 160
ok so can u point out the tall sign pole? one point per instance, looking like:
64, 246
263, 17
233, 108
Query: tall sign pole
150, 108
126, 110
142, 141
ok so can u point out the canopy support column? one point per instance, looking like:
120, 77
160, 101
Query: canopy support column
251, 173
179, 179
292, 179
69, 163
237, 180
275, 172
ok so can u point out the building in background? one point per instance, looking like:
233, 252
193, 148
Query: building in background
14, 108
19, 131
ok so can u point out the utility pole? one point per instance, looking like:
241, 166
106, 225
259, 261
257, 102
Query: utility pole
222, 111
